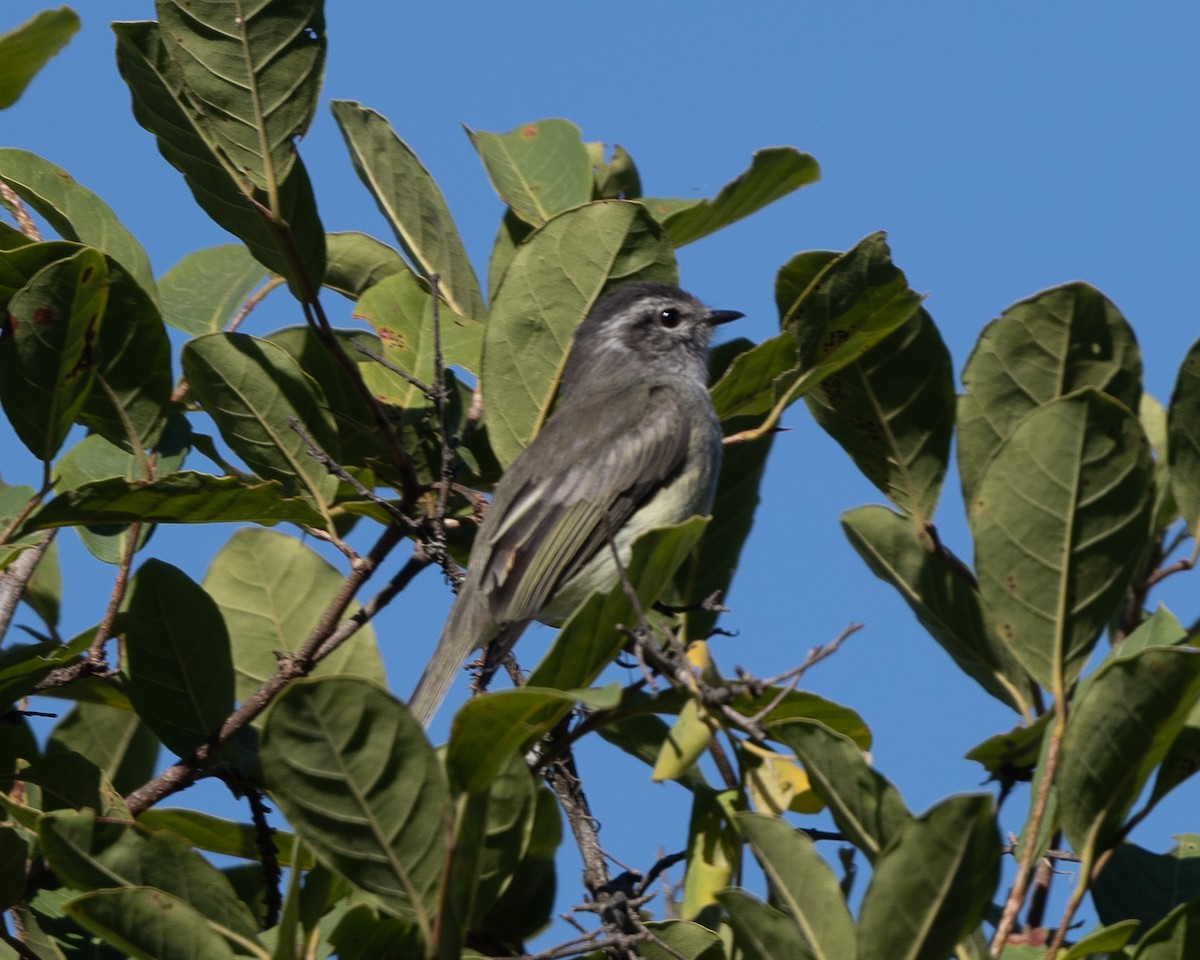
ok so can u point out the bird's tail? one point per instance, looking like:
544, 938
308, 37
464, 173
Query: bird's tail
467, 627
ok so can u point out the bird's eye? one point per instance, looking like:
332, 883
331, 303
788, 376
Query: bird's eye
669, 318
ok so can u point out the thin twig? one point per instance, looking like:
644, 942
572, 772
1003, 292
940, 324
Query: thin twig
14, 579
20, 214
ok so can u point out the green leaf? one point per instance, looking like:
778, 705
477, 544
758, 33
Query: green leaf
711, 567
353, 773
548, 288
836, 307
13, 853
131, 399
225, 837
1102, 940
46, 362
411, 202
760, 931
252, 389
178, 672
802, 885
1137, 884
1060, 519
279, 225
184, 497
590, 641
400, 309
1118, 732
87, 854
539, 169
487, 729
892, 411
43, 590
713, 851
773, 173
115, 740
942, 594
250, 83
22, 666
681, 938
1175, 937
74, 211
24, 50
511, 800
271, 590
933, 885
68, 781
864, 805
203, 291
1183, 438
357, 262
1052, 344
1005, 754
90, 460
525, 906
149, 924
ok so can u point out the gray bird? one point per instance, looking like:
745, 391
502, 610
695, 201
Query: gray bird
633, 444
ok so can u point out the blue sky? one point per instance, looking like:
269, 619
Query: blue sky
1003, 147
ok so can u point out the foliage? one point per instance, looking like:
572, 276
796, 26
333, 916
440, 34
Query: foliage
1079, 491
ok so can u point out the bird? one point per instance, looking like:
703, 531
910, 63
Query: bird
633, 443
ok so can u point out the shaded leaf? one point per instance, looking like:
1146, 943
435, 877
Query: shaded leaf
178, 670
773, 173
866, 808
13, 848
539, 169
46, 360
203, 291
802, 885
760, 931
942, 595
252, 388
933, 884
681, 938
1102, 940
184, 497
290, 241
710, 568
411, 202
489, 728
24, 50
892, 411
1047, 346
225, 837
548, 288
1145, 886
1175, 937
1060, 519
1183, 438
271, 590
1119, 730
147, 923
117, 741
351, 770
87, 854
74, 211
249, 83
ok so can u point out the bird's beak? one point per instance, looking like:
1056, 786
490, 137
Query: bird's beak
722, 316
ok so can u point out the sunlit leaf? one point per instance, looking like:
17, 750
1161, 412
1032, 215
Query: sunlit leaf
551, 283
204, 290
412, 203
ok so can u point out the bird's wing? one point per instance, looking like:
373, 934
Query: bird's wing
578, 485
